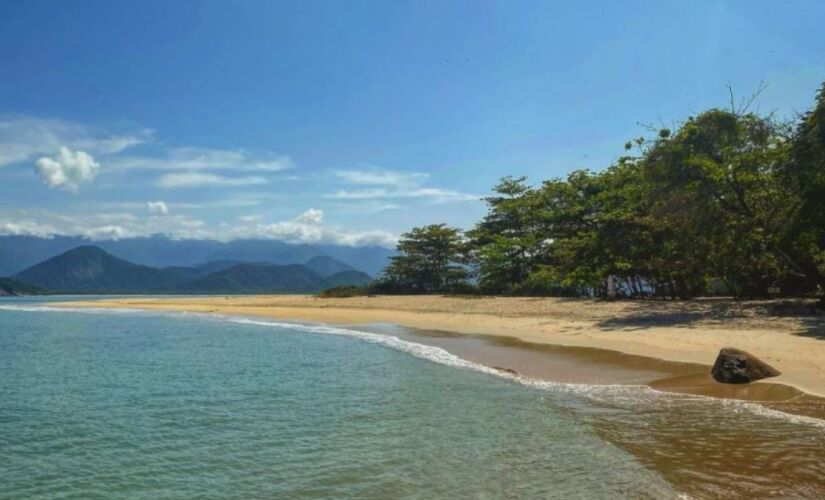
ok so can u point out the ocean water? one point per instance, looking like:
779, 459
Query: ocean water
128, 404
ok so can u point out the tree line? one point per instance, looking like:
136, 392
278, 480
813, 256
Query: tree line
730, 202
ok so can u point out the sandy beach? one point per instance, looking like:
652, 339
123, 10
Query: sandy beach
689, 332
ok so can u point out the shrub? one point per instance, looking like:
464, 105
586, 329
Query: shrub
338, 292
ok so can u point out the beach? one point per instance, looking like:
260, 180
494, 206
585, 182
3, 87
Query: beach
463, 372
688, 334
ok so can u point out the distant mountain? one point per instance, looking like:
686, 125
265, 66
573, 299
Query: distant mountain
256, 278
21, 252
276, 252
182, 274
327, 266
271, 278
90, 269
214, 266
9, 286
371, 260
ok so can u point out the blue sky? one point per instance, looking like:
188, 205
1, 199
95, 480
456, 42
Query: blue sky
351, 122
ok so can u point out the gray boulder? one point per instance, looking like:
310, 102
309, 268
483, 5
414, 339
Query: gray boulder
734, 366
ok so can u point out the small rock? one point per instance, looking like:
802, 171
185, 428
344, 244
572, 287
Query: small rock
734, 366
505, 370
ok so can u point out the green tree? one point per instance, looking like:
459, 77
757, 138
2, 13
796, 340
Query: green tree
717, 185
806, 173
728, 196
429, 260
509, 242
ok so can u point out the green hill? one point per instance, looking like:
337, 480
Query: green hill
256, 278
214, 266
327, 266
88, 269
9, 286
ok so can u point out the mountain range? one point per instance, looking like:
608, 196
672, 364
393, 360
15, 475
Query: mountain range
18, 253
90, 269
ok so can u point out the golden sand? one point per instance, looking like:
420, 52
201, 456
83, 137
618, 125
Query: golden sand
684, 331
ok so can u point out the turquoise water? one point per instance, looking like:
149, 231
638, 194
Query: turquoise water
144, 405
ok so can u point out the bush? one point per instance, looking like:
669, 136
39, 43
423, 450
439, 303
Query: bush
463, 288
339, 292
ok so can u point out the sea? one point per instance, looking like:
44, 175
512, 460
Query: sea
146, 405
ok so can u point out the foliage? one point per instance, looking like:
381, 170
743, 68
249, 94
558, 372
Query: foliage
9, 286
428, 261
727, 200
339, 292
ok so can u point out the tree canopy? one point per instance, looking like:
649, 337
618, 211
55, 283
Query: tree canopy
729, 201
428, 261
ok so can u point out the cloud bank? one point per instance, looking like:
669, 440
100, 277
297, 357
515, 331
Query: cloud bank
200, 179
197, 159
391, 184
22, 139
308, 227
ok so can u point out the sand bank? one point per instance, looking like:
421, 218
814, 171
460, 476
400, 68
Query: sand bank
689, 332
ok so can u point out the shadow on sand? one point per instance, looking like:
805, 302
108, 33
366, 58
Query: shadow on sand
641, 315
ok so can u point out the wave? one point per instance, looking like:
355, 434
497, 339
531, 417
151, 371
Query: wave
600, 392
88, 310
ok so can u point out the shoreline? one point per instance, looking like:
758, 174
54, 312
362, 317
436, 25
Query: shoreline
677, 333
687, 440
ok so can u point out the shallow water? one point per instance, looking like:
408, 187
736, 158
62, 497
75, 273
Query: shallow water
146, 405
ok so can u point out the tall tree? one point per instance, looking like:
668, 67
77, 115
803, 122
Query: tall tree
806, 173
717, 181
729, 196
509, 242
429, 260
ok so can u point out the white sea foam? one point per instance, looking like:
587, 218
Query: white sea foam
599, 392
595, 391
87, 310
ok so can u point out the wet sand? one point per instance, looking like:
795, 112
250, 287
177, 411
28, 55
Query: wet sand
583, 365
689, 332
703, 448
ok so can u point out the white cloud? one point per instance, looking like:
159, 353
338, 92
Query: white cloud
68, 170
237, 200
437, 194
393, 184
313, 216
24, 138
382, 177
200, 179
101, 226
118, 143
309, 227
105, 233
26, 227
157, 207
384, 208
192, 159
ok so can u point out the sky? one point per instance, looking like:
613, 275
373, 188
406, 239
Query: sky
350, 122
